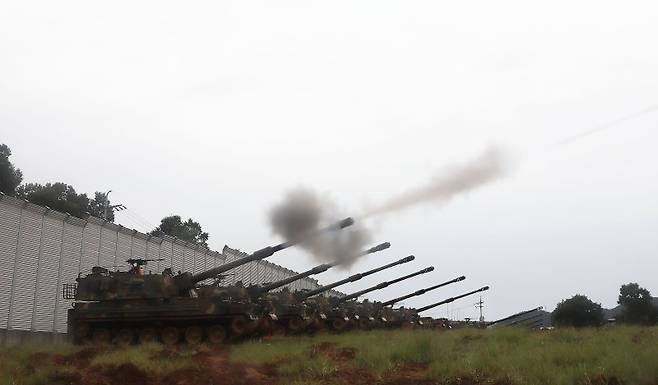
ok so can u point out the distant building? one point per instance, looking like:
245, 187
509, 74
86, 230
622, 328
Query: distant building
611, 315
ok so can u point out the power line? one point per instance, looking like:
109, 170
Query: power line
604, 126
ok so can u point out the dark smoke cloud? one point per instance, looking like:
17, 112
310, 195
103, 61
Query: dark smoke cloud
303, 210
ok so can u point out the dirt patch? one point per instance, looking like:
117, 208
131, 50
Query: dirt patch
36, 360
408, 374
78, 359
330, 350
125, 374
214, 368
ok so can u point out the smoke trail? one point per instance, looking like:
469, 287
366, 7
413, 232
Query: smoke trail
303, 210
488, 167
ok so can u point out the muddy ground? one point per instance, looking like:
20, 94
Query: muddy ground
213, 367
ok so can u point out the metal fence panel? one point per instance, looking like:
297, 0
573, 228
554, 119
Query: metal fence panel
90, 245
71, 252
27, 264
108, 248
10, 219
124, 248
166, 253
178, 262
153, 252
47, 286
139, 247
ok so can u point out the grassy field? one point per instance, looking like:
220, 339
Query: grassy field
623, 355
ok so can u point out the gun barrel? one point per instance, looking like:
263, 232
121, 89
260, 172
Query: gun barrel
515, 315
384, 284
422, 291
452, 299
355, 277
274, 285
267, 251
531, 319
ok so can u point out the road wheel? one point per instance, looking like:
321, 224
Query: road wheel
239, 326
125, 336
80, 331
169, 335
295, 324
278, 329
147, 335
193, 335
216, 334
101, 336
338, 324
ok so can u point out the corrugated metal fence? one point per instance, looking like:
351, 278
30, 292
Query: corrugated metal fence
41, 249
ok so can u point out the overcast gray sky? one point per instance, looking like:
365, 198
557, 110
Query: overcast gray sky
213, 110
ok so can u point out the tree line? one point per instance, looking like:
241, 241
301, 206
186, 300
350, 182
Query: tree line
62, 197
636, 303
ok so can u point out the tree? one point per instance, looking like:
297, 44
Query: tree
189, 231
637, 304
99, 205
10, 177
58, 196
578, 311
63, 197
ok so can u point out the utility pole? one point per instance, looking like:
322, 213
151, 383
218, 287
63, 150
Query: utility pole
480, 305
110, 208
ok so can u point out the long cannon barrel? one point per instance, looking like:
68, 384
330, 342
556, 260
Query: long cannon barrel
384, 284
422, 291
274, 285
353, 278
452, 299
532, 318
515, 315
266, 252
316, 270
187, 280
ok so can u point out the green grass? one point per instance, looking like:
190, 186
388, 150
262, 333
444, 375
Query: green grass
150, 358
16, 368
34, 365
523, 357
513, 355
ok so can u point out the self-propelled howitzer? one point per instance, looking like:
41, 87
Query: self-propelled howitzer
364, 314
124, 306
328, 311
292, 314
405, 317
